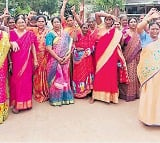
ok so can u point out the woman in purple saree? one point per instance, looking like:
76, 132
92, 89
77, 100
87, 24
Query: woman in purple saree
131, 51
59, 45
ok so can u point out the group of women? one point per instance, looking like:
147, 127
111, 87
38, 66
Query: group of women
96, 58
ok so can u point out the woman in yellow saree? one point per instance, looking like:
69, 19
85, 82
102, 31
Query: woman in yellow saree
4, 48
148, 71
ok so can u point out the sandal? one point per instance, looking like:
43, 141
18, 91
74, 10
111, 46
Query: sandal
15, 111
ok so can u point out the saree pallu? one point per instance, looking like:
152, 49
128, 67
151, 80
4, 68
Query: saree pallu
107, 55
71, 30
40, 85
21, 78
131, 52
4, 48
58, 75
3, 92
149, 75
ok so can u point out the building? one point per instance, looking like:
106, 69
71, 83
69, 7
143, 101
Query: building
138, 7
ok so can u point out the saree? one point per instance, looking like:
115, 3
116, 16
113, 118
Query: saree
131, 52
83, 70
71, 30
108, 53
58, 74
4, 48
21, 78
148, 71
40, 85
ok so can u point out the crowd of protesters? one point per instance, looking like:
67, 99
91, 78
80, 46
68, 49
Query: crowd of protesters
105, 57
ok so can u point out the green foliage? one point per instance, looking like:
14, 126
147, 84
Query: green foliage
53, 6
107, 4
74, 2
24, 6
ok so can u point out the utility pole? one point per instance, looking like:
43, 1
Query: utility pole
7, 5
83, 11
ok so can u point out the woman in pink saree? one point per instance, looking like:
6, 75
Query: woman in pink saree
21, 78
4, 48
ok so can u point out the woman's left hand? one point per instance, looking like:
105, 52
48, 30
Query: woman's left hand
36, 63
65, 60
87, 52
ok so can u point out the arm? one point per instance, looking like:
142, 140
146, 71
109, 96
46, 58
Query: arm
34, 55
63, 10
98, 16
76, 16
53, 54
49, 43
153, 13
4, 16
81, 13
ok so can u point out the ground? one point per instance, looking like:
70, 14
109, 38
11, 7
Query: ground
79, 122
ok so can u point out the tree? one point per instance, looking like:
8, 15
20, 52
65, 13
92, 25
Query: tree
24, 6
107, 4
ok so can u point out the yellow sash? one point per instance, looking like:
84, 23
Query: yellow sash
4, 47
109, 50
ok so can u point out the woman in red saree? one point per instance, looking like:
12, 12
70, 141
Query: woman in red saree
107, 55
40, 85
4, 49
21, 78
83, 71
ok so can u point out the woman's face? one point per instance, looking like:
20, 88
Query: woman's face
117, 25
41, 22
70, 21
132, 23
154, 31
124, 21
20, 24
84, 29
11, 23
91, 23
56, 24
108, 21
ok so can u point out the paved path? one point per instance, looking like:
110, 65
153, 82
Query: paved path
80, 122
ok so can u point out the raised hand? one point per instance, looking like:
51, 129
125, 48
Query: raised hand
65, 1
73, 9
152, 10
81, 7
155, 14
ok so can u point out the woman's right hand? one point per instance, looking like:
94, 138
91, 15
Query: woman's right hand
15, 46
60, 60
